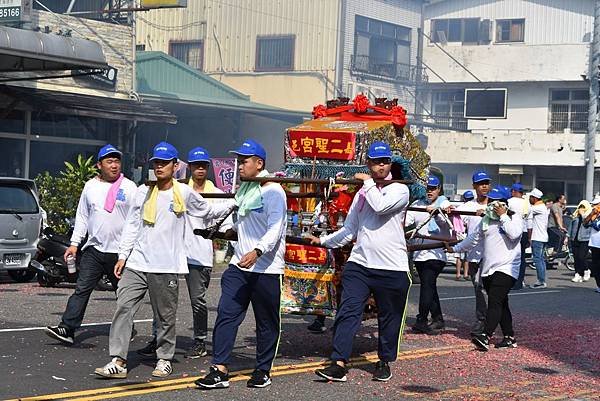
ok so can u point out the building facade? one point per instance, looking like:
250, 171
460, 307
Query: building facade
537, 53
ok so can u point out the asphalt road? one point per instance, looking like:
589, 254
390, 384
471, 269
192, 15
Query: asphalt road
558, 357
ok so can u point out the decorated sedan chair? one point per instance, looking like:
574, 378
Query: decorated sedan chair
330, 148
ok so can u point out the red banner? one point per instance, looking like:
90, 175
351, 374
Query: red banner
303, 254
322, 144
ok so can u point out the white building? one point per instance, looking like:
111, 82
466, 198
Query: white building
538, 50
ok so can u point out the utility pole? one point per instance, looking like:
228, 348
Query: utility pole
594, 78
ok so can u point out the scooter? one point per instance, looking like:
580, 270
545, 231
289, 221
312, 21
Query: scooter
50, 266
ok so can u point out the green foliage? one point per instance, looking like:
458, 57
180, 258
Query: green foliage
60, 194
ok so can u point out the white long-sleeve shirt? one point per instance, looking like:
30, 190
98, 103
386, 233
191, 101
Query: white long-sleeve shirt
103, 228
418, 218
538, 222
199, 250
378, 228
264, 229
160, 248
520, 205
472, 222
501, 243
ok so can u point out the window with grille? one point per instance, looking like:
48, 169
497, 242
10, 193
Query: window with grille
275, 53
510, 30
569, 109
189, 52
448, 108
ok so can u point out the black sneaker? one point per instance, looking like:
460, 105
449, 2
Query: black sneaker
382, 372
507, 342
214, 379
60, 333
317, 326
481, 341
421, 327
259, 379
149, 349
333, 372
198, 350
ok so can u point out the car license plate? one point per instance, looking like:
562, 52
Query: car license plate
13, 259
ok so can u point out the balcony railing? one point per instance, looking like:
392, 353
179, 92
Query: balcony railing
388, 69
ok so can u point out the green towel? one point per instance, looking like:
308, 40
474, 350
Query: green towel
490, 214
248, 197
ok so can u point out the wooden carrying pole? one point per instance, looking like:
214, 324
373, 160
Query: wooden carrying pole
321, 181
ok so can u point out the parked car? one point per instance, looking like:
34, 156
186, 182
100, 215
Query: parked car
20, 226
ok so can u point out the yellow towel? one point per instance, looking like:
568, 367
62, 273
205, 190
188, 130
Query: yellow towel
209, 186
149, 215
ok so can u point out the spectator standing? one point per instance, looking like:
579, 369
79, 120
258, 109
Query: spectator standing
538, 235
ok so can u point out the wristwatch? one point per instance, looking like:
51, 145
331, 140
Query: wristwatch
258, 252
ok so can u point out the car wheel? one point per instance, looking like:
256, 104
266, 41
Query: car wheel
21, 276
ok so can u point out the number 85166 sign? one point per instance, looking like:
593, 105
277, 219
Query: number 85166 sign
12, 13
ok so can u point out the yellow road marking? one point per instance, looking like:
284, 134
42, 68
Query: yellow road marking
181, 383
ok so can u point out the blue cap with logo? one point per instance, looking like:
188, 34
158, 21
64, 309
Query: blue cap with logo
198, 155
379, 150
164, 151
251, 148
497, 193
480, 176
433, 181
108, 149
468, 195
517, 186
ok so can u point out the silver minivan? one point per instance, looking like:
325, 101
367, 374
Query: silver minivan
20, 226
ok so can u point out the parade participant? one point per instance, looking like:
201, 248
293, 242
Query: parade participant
517, 202
199, 257
579, 234
430, 262
594, 243
151, 258
500, 265
378, 265
101, 213
462, 264
481, 184
254, 274
538, 235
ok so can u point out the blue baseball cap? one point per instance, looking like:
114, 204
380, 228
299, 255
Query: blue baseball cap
517, 186
480, 176
378, 150
468, 195
497, 193
108, 149
433, 181
198, 155
164, 151
250, 148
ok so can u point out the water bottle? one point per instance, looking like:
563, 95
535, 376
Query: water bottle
71, 264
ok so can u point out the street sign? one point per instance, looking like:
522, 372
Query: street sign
106, 77
10, 10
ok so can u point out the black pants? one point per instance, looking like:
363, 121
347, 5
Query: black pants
390, 289
429, 301
497, 287
238, 289
595, 267
580, 251
92, 266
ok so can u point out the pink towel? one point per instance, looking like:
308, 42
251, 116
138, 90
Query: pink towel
111, 196
362, 197
458, 224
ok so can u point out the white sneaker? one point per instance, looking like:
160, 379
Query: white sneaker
577, 278
587, 274
597, 290
163, 368
112, 370
537, 284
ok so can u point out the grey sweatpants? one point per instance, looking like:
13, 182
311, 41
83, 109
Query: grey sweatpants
197, 283
163, 289
480, 296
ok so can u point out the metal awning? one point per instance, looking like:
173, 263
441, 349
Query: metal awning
88, 106
23, 50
